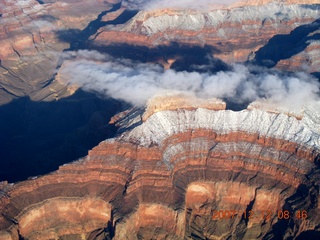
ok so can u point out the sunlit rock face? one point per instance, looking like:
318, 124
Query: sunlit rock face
32, 37
272, 33
179, 161
171, 169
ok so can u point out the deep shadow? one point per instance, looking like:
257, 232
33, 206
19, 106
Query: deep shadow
46, 1
311, 6
304, 199
187, 57
79, 39
37, 137
309, 235
193, 58
69, 35
235, 106
48, 18
316, 74
284, 46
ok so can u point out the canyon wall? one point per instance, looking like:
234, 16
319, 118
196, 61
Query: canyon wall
33, 35
180, 168
32, 38
271, 33
166, 177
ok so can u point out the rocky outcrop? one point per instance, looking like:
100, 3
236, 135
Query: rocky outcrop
183, 168
32, 37
175, 101
168, 176
233, 34
34, 33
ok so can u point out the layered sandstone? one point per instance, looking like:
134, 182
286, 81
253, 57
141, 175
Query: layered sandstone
174, 101
233, 34
177, 162
261, 2
164, 178
33, 35
32, 38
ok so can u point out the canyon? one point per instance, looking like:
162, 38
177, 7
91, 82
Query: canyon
101, 168
169, 169
33, 36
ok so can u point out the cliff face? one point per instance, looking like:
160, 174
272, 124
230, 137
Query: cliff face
34, 33
182, 168
166, 176
237, 33
32, 37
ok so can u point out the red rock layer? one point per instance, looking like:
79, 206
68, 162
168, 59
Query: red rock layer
231, 41
255, 35
305, 60
147, 194
32, 37
175, 101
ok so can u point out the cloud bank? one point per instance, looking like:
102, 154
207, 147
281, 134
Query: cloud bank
178, 4
136, 82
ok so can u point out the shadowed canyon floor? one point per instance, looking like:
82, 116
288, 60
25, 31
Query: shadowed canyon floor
164, 170
37, 137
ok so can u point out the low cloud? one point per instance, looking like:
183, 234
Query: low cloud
136, 82
177, 4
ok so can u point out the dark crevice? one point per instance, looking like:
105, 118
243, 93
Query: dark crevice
40, 1
284, 46
79, 39
9, 92
305, 198
20, 236
186, 57
235, 106
248, 212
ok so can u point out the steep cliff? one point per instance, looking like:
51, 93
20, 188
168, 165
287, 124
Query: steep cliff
167, 176
33, 35
236, 33
180, 168
32, 38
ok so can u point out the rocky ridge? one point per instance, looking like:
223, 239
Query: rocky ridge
32, 37
175, 163
164, 177
233, 34
34, 33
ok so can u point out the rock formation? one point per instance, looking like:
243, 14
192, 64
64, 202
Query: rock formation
32, 37
236, 33
182, 167
34, 33
166, 176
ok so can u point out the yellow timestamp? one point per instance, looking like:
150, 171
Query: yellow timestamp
263, 214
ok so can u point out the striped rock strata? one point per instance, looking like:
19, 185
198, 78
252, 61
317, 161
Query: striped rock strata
32, 37
233, 34
164, 178
34, 33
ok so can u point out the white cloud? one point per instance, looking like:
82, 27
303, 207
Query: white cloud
137, 82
